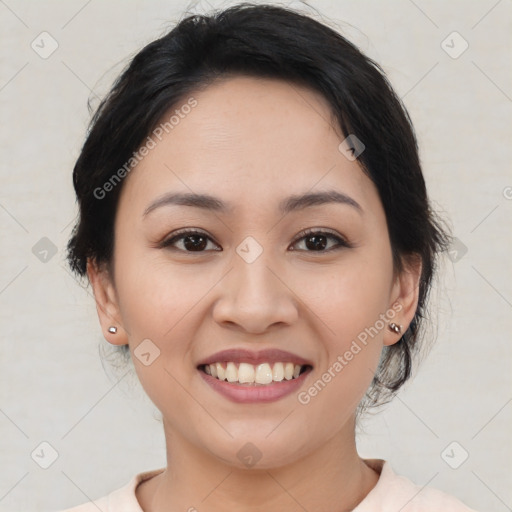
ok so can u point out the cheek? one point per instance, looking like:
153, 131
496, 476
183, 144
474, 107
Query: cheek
155, 295
351, 297
157, 302
349, 306
349, 303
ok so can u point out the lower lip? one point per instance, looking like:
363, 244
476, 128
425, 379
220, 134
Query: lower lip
247, 394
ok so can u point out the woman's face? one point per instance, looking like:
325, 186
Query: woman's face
251, 281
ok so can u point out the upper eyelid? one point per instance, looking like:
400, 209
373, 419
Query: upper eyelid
326, 231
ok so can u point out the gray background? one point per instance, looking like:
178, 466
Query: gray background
53, 386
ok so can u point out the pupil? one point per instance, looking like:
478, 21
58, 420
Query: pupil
316, 244
195, 246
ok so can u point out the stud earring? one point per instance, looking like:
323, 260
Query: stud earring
112, 329
395, 328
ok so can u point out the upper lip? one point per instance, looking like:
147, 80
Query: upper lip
240, 355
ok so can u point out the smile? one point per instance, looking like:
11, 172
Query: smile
256, 375
250, 377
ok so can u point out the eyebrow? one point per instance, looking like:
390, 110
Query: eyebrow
290, 204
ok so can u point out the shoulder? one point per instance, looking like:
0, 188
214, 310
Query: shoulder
394, 492
123, 499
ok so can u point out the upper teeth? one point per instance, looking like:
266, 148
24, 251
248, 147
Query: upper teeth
247, 373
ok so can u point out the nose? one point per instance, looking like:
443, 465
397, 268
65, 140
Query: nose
255, 297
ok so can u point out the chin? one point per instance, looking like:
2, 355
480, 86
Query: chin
258, 450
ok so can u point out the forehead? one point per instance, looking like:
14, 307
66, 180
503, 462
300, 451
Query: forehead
261, 117
248, 137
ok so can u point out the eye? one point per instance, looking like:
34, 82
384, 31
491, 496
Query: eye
317, 240
197, 241
193, 241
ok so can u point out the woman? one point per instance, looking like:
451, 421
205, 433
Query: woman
255, 227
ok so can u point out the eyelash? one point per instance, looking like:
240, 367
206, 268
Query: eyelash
179, 235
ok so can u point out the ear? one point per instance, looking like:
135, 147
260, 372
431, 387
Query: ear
404, 297
106, 302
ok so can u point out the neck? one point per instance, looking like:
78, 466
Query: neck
332, 478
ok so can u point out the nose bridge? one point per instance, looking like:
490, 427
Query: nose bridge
255, 285
255, 278
254, 297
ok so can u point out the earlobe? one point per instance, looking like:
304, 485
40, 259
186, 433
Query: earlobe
404, 295
106, 303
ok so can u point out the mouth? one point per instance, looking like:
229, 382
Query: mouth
247, 374
249, 377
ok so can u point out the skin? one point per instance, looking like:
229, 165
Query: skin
253, 142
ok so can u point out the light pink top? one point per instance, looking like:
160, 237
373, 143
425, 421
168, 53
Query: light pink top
392, 493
